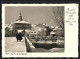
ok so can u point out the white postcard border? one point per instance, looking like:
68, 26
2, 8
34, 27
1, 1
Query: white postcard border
71, 34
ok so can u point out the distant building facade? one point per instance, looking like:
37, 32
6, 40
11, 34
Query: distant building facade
20, 25
40, 29
8, 30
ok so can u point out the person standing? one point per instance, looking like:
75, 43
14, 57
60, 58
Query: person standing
20, 37
17, 36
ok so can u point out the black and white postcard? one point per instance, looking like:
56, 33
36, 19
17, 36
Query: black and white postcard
40, 30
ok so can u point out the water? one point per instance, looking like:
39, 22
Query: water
45, 46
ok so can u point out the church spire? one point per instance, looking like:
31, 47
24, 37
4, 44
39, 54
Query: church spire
20, 17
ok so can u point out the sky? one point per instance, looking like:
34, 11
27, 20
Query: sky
32, 14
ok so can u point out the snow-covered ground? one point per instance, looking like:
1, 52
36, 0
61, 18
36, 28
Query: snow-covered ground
11, 45
57, 50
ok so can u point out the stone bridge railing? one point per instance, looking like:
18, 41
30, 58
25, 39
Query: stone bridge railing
31, 48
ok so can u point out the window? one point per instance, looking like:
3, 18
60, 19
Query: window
34, 32
31, 32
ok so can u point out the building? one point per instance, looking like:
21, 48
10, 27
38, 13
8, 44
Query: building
41, 29
8, 30
20, 25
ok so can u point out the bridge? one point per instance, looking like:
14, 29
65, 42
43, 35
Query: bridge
11, 45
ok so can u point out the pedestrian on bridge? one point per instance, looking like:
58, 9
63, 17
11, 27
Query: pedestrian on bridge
19, 36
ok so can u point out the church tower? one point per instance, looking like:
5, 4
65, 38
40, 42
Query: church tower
20, 17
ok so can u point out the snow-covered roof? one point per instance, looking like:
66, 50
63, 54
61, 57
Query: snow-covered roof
6, 25
52, 32
33, 25
19, 31
21, 22
22, 30
52, 27
41, 26
9, 26
56, 27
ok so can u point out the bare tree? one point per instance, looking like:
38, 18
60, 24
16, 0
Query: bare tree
59, 16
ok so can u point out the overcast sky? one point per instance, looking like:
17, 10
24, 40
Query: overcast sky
32, 14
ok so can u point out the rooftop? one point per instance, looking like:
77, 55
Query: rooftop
20, 22
41, 25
